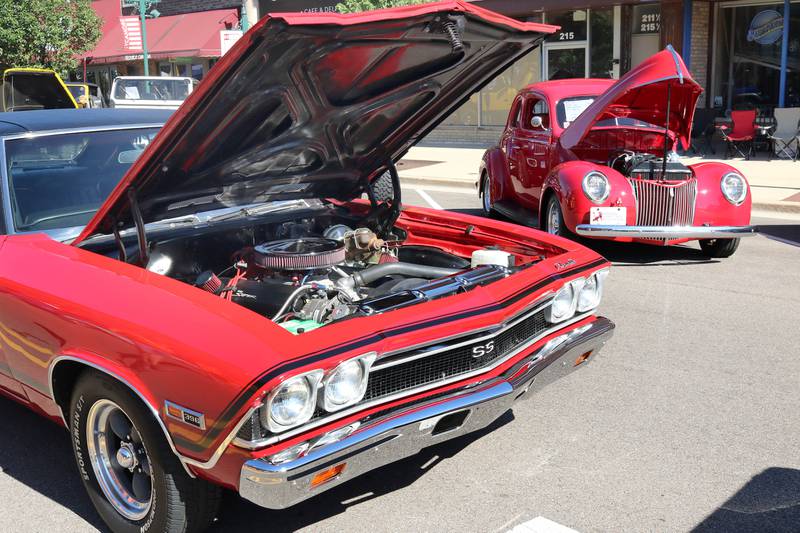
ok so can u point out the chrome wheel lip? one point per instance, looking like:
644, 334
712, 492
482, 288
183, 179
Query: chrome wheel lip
487, 195
102, 450
553, 219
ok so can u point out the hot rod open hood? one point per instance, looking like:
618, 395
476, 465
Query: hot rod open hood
641, 94
310, 105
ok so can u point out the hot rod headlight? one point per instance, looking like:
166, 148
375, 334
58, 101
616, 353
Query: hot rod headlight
734, 188
346, 384
291, 403
596, 187
591, 292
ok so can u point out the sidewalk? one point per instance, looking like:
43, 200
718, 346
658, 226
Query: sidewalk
775, 184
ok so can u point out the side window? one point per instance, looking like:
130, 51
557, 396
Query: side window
536, 107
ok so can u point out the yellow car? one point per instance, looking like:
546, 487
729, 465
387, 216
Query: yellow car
25, 89
85, 94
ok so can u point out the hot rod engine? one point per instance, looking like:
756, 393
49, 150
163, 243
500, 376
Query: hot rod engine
315, 278
645, 166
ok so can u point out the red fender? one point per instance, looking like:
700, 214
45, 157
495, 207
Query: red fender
494, 164
711, 207
565, 181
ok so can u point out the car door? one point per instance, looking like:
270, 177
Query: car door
509, 144
533, 139
7, 381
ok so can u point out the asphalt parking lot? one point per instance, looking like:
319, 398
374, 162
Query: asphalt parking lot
688, 420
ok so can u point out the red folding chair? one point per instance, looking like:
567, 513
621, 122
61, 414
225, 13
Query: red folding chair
740, 133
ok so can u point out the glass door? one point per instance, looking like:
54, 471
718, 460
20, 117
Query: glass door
565, 61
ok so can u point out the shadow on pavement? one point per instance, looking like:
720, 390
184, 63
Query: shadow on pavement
769, 502
239, 515
37, 453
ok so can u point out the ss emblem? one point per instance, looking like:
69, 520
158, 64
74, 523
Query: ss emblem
484, 349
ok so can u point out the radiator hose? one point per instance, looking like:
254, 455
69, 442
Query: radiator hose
374, 273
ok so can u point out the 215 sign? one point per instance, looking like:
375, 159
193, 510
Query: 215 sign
650, 23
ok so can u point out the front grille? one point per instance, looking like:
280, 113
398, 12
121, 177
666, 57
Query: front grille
664, 203
447, 364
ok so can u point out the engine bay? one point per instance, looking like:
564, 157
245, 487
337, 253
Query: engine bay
646, 166
309, 272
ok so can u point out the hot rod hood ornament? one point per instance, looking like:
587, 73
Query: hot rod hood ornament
313, 106
660, 83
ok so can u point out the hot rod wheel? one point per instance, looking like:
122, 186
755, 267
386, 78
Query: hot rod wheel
719, 248
553, 220
133, 479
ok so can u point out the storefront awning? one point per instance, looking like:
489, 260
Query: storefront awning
188, 35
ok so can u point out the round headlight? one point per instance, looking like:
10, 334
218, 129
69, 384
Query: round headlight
292, 403
734, 188
596, 187
346, 384
563, 305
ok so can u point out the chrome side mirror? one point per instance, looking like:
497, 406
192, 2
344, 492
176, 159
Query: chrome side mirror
536, 122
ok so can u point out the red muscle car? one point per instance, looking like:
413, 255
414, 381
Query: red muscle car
235, 316
596, 157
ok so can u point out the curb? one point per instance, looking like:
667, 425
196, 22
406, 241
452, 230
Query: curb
775, 207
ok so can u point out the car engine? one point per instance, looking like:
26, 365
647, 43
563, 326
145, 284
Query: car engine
302, 278
646, 166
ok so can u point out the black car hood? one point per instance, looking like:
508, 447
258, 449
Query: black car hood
316, 105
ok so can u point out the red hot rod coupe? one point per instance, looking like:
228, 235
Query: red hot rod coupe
236, 316
596, 157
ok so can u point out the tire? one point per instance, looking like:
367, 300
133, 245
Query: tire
382, 187
719, 248
486, 195
553, 220
174, 503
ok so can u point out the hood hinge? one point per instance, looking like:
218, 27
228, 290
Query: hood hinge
141, 235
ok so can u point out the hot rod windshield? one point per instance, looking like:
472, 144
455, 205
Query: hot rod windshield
58, 181
568, 109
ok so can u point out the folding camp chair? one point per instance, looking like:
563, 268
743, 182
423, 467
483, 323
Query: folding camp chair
703, 130
741, 132
787, 132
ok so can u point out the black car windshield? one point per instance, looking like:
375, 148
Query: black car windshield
59, 181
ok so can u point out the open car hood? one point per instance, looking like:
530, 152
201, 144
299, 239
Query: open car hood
641, 94
26, 89
310, 105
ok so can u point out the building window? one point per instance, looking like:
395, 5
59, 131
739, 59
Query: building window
601, 46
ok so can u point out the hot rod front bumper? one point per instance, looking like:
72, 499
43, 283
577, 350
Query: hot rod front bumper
665, 232
407, 431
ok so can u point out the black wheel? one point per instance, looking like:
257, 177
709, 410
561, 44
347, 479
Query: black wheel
486, 195
719, 248
553, 220
382, 187
133, 478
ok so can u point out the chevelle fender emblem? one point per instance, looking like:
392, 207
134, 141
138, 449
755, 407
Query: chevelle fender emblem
483, 349
185, 415
565, 264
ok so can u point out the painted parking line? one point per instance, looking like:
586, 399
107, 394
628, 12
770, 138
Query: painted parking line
427, 197
541, 524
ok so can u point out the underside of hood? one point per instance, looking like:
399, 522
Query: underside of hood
660, 83
314, 106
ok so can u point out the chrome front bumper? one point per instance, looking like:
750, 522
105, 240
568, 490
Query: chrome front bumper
666, 232
405, 432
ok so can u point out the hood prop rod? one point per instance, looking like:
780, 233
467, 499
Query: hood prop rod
666, 136
141, 235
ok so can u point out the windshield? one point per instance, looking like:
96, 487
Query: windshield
59, 181
153, 89
568, 109
76, 90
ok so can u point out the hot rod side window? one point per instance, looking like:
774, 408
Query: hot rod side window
514, 115
536, 107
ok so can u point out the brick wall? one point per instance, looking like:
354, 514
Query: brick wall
700, 37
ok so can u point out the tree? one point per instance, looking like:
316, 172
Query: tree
47, 33
354, 6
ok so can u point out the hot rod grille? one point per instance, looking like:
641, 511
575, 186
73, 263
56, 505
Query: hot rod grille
451, 363
664, 203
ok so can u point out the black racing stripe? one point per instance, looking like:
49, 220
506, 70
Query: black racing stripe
253, 387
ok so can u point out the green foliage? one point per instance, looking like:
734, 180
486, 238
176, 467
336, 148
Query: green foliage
354, 6
46, 33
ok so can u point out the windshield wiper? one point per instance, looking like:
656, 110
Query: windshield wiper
260, 209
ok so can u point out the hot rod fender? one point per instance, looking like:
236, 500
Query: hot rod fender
564, 181
711, 207
493, 164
